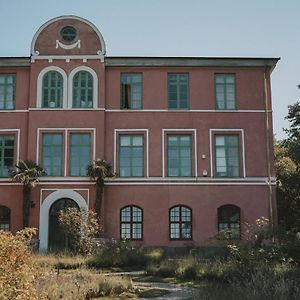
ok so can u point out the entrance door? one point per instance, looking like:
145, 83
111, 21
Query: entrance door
57, 238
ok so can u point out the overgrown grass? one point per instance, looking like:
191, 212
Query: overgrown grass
81, 284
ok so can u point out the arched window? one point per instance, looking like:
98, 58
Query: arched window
52, 90
4, 218
131, 223
180, 227
83, 90
229, 219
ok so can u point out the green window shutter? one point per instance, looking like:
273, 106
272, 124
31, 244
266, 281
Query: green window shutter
227, 153
225, 91
80, 153
178, 91
52, 90
131, 155
7, 144
131, 90
179, 156
83, 90
52, 154
7, 91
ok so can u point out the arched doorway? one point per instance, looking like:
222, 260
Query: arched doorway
57, 238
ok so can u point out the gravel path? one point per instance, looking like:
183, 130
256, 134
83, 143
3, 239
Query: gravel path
176, 291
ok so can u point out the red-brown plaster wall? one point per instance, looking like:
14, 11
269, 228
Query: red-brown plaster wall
252, 123
249, 85
89, 40
204, 201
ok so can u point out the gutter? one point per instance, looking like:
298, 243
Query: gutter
268, 149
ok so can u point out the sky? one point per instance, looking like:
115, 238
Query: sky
249, 28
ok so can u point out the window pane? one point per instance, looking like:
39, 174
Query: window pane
7, 91
52, 154
83, 90
6, 154
80, 153
131, 156
131, 91
225, 91
52, 90
179, 155
178, 91
227, 158
131, 222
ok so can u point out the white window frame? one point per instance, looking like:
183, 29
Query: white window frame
17, 133
135, 130
95, 86
40, 86
192, 131
65, 132
224, 131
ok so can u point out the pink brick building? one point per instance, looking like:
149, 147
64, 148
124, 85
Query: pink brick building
189, 137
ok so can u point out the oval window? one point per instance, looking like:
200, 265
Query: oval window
68, 33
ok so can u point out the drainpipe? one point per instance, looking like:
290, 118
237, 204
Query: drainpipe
268, 149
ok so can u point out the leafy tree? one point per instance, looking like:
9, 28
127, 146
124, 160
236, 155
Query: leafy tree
80, 227
287, 165
99, 170
27, 172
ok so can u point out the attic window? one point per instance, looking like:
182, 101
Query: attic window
68, 33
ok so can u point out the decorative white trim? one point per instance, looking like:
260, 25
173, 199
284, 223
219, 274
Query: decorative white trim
211, 147
65, 109
40, 85
18, 131
191, 130
189, 183
68, 58
185, 111
67, 47
14, 111
66, 132
147, 145
95, 85
44, 211
34, 52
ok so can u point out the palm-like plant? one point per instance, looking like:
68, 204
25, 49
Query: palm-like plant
27, 172
99, 170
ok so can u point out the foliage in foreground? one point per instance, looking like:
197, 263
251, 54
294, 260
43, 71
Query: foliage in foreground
80, 227
122, 254
17, 272
82, 284
260, 267
287, 165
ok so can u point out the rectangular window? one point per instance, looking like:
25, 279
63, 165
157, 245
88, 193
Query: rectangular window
131, 156
80, 153
131, 91
7, 91
52, 154
178, 90
227, 155
179, 155
7, 144
225, 91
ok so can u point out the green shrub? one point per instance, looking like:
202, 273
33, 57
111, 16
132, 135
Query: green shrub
17, 272
115, 253
81, 227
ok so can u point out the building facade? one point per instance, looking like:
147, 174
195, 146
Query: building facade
190, 138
